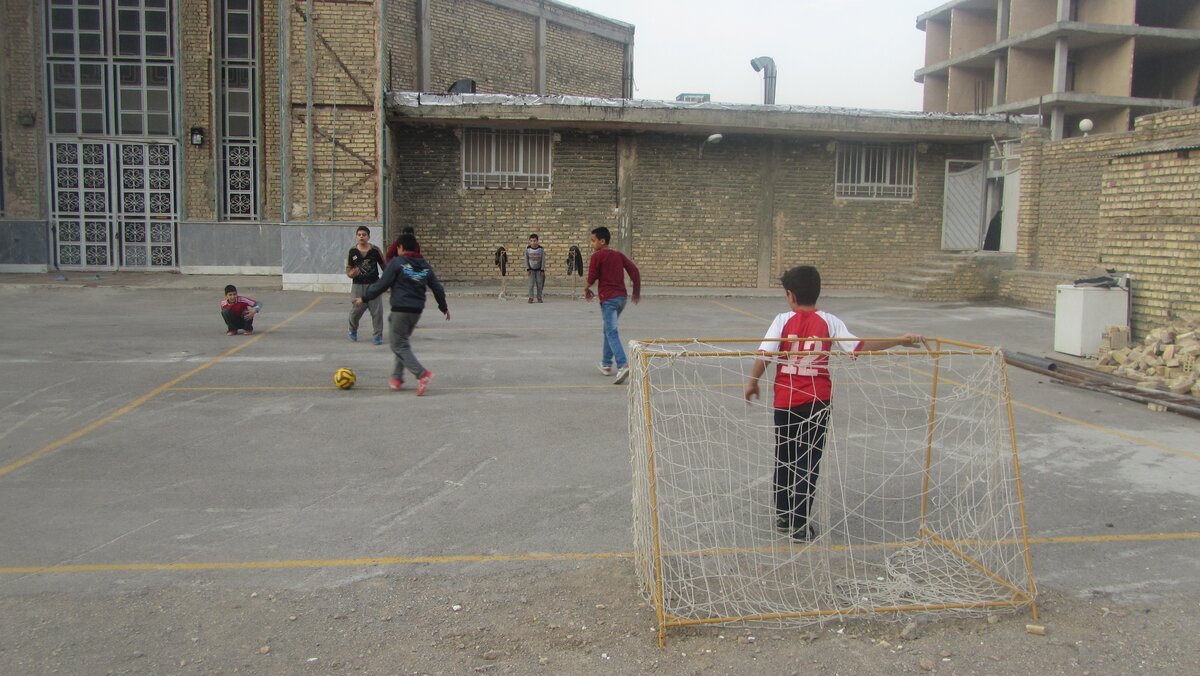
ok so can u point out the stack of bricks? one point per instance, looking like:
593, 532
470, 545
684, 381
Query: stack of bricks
1168, 358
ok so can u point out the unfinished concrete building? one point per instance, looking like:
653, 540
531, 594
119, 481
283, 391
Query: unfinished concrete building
1106, 61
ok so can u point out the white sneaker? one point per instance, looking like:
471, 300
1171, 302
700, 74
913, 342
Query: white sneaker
604, 370
622, 374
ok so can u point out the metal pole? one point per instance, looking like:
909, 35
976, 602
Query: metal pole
308, 104
333, 155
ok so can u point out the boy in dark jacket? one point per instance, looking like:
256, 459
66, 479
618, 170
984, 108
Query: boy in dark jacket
407, 275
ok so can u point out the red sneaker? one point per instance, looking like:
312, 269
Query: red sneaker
395, 383
423, 382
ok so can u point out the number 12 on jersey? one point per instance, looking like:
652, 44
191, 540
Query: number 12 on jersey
802, 364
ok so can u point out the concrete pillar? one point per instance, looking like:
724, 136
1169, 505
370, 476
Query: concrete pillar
1058, 123
1002, 9
424, 33
1064, 10
1000, 80
540, 50
626, 168
1061, 56
766, 217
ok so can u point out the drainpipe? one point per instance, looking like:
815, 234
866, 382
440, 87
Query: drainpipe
767, 65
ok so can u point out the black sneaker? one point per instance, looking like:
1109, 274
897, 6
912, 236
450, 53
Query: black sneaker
804, 534
782, 525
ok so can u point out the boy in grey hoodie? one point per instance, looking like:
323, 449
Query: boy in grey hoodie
407, 275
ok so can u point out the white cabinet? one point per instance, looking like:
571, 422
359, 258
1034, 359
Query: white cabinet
1082, 313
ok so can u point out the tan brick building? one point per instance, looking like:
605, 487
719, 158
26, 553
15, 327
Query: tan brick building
245, 135
858, 193
1127, 201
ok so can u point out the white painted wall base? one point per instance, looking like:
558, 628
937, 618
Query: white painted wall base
24, 267
230, 270
318, 282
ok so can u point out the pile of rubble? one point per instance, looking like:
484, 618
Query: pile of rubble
1168, 359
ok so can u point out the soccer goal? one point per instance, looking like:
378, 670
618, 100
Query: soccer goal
917, 509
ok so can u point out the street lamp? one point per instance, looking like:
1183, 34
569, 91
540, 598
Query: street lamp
713, 139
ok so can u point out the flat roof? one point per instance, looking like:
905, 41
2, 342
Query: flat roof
695, 118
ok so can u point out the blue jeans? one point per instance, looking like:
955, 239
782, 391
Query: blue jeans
611, 309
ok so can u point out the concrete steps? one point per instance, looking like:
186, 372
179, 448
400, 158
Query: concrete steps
951, 276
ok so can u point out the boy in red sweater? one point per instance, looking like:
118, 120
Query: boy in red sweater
803, 391
607, 270
238, 312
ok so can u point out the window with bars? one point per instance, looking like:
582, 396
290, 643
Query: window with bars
238, 87
110, 67
515, 159
875, 170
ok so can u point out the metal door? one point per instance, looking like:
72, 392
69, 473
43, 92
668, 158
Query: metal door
963, 207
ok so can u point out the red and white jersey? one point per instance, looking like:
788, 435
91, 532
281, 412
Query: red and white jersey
800, 379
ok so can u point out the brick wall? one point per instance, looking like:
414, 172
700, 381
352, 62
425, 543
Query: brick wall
23, 174
695, 221
582, 64
461, 229
195, 73
1150, 215
1082, 208
857, 243
338, 67
496, 46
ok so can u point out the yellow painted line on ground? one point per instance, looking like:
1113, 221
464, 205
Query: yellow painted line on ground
97, 424
740, 312
473, 388
1108, 430
478, 558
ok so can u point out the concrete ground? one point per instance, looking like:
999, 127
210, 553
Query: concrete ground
144, 452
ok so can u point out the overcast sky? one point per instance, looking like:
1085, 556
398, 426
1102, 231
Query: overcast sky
846, 53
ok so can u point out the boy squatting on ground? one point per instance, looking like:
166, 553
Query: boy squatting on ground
802, 393
238, 312
363, 264
535, 267
607, 270
407, 276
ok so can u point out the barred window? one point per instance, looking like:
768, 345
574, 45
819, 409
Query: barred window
237, 96
875, 170
514, 159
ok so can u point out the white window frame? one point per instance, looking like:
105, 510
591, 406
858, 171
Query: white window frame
874, 170
507, 159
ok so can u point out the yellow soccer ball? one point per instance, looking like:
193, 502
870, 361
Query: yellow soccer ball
344, 378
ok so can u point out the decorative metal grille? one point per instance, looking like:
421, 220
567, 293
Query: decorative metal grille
148, 212
110, 72
506, 158
238, 96
81, 207
875, 170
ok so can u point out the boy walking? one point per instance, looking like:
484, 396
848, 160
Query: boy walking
803, 391
407, 276
535, 267
363, 265
607, 270
238, 312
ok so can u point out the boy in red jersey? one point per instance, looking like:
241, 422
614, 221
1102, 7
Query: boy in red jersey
607, 270
803, 391
238, 312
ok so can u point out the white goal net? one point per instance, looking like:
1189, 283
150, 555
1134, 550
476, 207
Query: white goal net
916, 508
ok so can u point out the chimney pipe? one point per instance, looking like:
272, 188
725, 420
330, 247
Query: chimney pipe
767, 65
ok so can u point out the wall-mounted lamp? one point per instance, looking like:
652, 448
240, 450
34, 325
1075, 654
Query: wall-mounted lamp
712, 138
26, 119
196, 134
